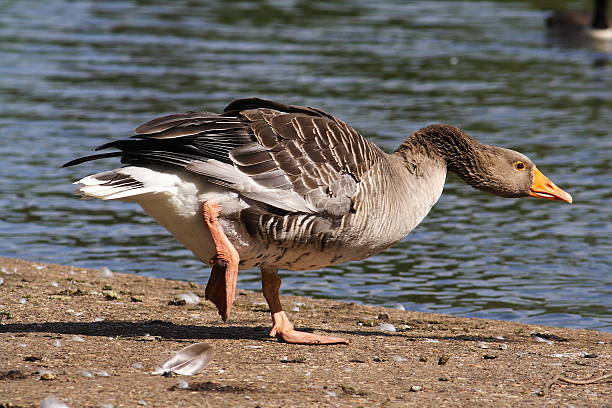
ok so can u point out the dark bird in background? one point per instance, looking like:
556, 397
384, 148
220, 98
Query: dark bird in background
276, 186
580, 23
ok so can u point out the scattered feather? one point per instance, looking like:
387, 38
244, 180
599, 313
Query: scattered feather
431, 341
102, 373
1, 281
182, 385
387, 327
52, 402
99, 319
106, 273
188, 361
189, 297
78, 339
138, 366
40, 267
398, 359
23, 300
483, 345
57, 343
54, 284
542, 340
295, 309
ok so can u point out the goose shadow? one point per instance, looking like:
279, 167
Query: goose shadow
160, 328
166, 330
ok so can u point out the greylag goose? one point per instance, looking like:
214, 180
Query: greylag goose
578, 22
280, 186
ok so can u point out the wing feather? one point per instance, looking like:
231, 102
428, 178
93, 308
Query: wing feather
290, 157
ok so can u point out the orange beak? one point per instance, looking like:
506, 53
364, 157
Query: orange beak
542, 187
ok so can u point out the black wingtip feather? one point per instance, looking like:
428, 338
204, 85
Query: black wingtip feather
90, 158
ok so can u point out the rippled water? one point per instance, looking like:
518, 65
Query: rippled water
76, 74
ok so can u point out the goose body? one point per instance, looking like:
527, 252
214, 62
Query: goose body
295, 188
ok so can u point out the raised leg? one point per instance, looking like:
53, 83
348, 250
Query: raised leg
282, 328
221, 286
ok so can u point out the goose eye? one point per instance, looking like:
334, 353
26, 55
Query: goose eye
519, 165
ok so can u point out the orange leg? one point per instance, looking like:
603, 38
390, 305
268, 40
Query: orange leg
282, 328
221, 286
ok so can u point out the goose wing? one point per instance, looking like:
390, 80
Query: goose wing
294, 158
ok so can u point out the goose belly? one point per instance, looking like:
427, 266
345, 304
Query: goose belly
181, 215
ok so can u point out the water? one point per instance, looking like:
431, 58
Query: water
76, 74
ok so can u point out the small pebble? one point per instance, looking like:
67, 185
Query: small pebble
111, 295
86, 374
422, 359
489, 357
138, 366
542, 340
136, 298
106, 273
442, 379
483, 345
107, 406
415, 388
102, 373
40, 267
331, 394
189, 297
78, 338
589, 355
295, 309
23, 300
503, 346
52, 402
54, 284
182, 385
1, 281
387, 327
383, 316
57, 343
431, 341
443, 359
99, 319
398, 359
142, 402
46, 375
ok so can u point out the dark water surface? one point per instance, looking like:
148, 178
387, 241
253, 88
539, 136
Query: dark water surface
76, 74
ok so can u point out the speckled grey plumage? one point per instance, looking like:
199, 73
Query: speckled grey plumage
301, 188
